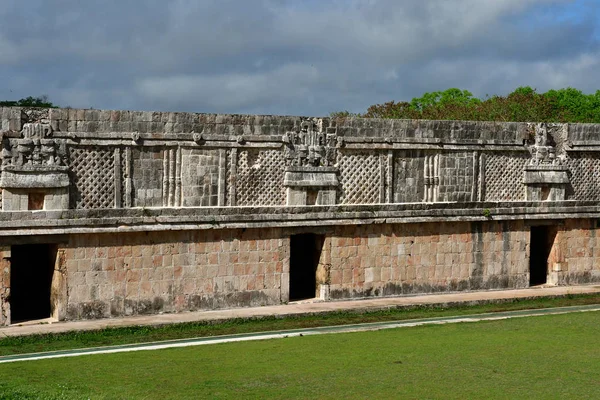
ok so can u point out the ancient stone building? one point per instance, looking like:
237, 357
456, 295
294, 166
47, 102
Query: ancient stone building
109, 213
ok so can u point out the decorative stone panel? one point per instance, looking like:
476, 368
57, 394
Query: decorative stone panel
93, 175
34, 174
35, 188
584, 170
360, 177
504, 176
259, 180
545, 178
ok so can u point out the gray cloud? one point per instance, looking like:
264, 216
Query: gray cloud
290, 57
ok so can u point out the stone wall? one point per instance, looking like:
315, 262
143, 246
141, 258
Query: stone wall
124, 159
168, 212
107, 275
146, 273
575, 255
384, 260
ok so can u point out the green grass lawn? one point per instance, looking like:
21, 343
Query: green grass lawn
140, 334
533, 358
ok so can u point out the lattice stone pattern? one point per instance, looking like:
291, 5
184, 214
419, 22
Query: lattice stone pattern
360, 177
93, 175
504, 176
585, 179
260, 176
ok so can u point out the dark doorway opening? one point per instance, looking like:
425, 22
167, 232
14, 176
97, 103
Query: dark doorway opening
541, 241
305, 252
32, 267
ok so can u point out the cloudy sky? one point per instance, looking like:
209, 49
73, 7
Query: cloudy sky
298, 57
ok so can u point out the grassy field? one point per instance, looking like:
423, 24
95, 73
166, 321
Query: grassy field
140, 334
537, 357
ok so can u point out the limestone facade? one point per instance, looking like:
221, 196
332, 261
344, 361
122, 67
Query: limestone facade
145, 212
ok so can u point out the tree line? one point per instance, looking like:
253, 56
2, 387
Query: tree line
40, 101
525, 104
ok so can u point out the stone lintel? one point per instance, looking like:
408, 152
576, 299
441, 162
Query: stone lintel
315, 178
35, 178
556, 177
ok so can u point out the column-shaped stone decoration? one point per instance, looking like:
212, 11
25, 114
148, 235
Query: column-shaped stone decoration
545, 178
431, 175
310, 176
34, 174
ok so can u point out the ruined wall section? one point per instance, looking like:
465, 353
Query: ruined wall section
575, 253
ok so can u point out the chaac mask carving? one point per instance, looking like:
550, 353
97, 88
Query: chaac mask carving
544, 149
35, 148
310, 146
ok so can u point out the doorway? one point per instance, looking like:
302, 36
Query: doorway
541, 241
32, 267
305, 252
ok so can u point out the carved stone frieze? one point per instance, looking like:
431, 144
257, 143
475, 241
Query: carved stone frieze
311, 177
34, 166
310, 146
545, 177
548, 144
35, 147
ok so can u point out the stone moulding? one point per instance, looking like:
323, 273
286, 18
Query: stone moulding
290, 161
25, 223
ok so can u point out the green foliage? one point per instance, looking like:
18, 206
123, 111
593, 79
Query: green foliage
343, 114
41, 102
452, 96
524, 104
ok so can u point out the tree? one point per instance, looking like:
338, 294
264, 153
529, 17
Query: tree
524, 104
452, 96
40, 101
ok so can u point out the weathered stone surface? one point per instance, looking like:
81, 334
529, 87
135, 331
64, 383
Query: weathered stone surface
168, 212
